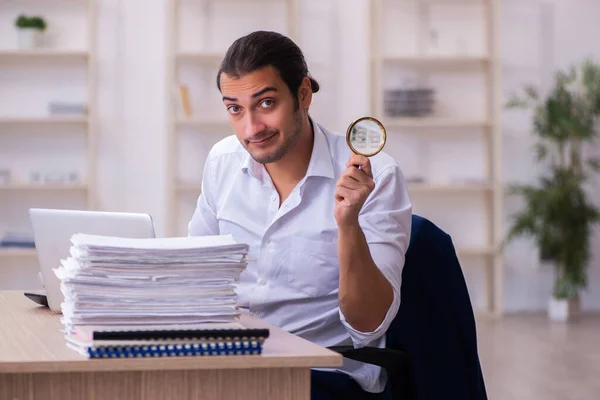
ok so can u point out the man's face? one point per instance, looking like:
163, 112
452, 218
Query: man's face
263, 113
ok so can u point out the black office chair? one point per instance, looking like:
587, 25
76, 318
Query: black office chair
431, 346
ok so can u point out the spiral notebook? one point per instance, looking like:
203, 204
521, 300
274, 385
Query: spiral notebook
160, 341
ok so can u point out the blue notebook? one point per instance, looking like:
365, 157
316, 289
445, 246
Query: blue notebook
176, 349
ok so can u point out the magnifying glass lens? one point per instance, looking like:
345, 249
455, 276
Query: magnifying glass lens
366, 136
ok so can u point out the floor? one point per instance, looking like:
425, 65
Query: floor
526, 357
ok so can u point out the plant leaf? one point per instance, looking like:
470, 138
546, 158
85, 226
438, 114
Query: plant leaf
532, 92
541, 151
516, 102
594, 164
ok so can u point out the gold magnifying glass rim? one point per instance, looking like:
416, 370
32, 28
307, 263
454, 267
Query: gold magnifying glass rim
363, 119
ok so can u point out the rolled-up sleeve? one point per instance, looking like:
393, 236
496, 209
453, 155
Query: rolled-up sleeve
385, 220
204, 220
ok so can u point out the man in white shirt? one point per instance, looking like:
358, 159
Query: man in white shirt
327, 229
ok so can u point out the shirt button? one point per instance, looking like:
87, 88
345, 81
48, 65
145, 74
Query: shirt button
261, 282
268, 241
273, 198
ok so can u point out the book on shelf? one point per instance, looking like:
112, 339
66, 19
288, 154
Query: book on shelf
184, 101
63, 108
22, 240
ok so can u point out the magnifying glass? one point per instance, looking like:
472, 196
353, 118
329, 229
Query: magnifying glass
366, 136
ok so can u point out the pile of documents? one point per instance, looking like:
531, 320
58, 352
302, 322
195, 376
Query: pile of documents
109, 281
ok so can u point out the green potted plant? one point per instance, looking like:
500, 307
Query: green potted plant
558, 213
30, 29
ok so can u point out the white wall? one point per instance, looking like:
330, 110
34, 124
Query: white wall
133, 101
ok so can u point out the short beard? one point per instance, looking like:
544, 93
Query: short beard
286, 146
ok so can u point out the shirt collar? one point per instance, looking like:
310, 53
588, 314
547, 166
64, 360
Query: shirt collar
320, 159
249, 165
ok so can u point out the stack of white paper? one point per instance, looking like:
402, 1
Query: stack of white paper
122, 281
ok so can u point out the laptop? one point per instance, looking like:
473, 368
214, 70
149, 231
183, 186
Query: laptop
52, 232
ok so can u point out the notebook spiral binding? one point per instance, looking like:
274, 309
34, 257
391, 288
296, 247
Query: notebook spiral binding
253, 347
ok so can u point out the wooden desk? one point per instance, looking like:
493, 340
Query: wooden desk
35, 363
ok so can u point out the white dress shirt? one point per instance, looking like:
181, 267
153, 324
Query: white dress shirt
292, 277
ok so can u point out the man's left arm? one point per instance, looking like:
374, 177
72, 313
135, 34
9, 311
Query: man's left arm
374, 221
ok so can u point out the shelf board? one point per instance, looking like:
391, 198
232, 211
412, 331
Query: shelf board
433, 122
437, 60
474, 251
449, 187
43, 186
49, 120
17, 252
43, 55
412, 187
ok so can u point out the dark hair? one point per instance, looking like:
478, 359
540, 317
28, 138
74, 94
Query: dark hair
263, 48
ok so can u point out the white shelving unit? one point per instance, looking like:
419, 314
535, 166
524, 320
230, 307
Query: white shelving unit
28, 78
196, 46
418, 44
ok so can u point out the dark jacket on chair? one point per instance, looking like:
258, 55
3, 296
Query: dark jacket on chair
431, 345
435, 324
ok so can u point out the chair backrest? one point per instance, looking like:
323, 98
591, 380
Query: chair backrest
435, 324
